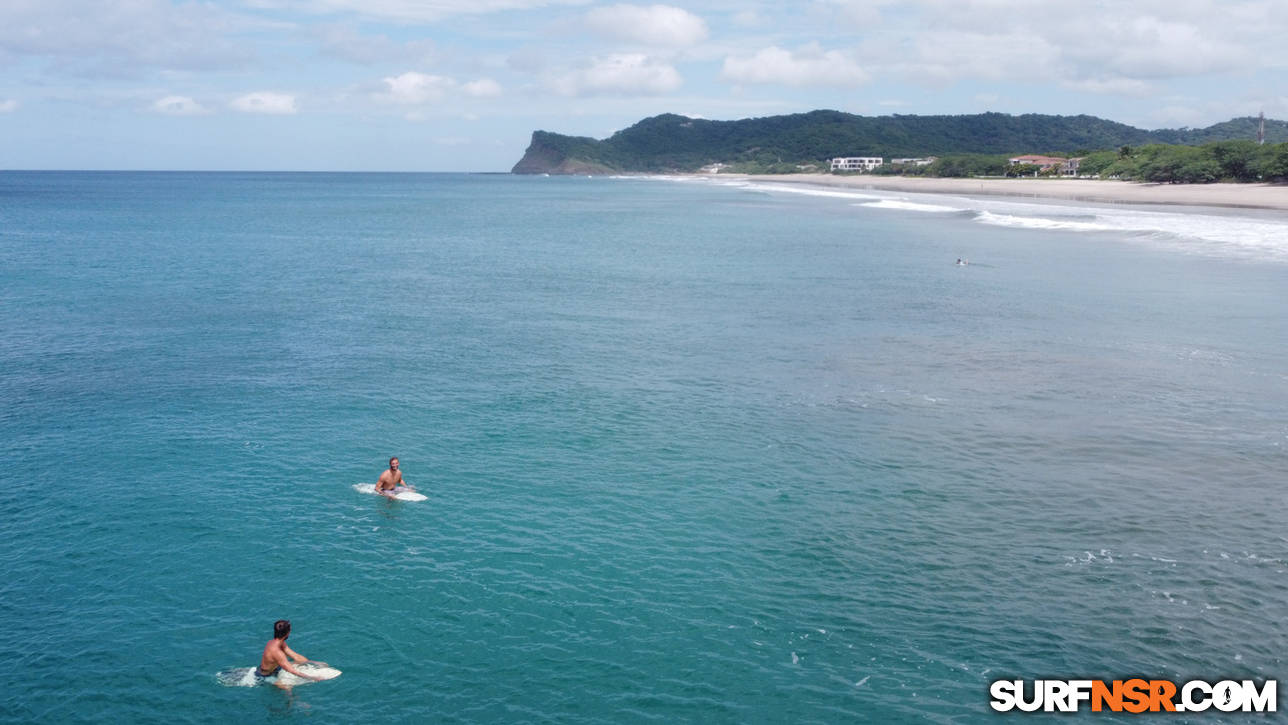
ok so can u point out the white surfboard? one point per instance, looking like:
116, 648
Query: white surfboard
245, 676
311, 669
401, 495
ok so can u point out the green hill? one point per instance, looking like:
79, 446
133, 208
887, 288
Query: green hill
672, 143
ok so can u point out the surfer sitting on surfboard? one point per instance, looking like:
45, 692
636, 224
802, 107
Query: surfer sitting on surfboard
274, 659
391, 480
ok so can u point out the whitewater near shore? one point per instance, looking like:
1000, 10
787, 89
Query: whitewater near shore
1260, 196
1224, 220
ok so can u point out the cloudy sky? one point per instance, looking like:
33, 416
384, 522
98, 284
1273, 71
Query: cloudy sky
459, 85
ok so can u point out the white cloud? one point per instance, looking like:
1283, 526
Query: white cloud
416, 89
412, 11
412, 88
482, 88
280, 104
8, 105
178, 106
1061, 41
809, 66
122, 39
1152, 48
619, 74
942, 57
527, 59
859, 14
663, 25
346, 43
1112, 86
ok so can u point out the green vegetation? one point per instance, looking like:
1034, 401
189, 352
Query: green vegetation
976, 145
1218, 161
1164, 163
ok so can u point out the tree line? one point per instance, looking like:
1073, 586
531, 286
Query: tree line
967, 145
1235, 160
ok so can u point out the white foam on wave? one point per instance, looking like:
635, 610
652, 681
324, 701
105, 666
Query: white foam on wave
238, 677
1189, 232
1252, 234
1037, 222
664, 177
902, 205
245, 676
799, 190
812, 191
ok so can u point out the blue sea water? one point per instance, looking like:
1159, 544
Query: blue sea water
695, 452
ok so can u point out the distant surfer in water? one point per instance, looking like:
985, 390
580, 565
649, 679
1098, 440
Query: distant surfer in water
274, 659
391, 481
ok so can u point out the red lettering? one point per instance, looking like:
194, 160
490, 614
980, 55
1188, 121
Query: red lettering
1138, 694
1102, 696
1163, 691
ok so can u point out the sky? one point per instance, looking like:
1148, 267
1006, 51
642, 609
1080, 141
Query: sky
459, 85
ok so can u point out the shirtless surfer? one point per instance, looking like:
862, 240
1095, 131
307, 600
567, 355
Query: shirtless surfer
274, 659
391, 480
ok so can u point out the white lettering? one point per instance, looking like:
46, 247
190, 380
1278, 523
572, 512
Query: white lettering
1190, 702
1058, 696
1227, 696
1081, 692
1264, 701
1003, 694
1024, 705
1195, 695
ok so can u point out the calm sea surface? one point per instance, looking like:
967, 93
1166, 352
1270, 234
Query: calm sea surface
694, 452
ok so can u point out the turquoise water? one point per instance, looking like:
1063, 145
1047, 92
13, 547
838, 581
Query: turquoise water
694, 452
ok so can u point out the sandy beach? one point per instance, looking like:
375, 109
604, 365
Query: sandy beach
1257, 196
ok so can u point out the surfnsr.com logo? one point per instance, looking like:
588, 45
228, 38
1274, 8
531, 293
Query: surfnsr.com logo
1134, 696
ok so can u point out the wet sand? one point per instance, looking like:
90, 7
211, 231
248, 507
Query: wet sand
1257, 196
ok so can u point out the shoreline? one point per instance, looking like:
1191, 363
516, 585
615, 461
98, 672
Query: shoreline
1245, 196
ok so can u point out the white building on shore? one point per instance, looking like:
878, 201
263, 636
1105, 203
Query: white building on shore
855, 163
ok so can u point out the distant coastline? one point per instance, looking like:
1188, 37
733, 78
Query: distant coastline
1248, 196
971, 146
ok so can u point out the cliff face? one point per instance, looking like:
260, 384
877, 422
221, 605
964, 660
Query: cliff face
539, 158
551, 153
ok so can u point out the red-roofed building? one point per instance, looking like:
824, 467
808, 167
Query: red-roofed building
1042, 162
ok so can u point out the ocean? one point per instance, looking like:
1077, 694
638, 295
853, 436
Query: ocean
695, 451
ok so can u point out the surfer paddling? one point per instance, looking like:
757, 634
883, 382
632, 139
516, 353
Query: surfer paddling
274, 659
391, 482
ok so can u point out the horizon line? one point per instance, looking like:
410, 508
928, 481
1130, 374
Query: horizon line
239, 171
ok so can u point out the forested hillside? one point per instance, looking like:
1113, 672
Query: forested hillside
672, 143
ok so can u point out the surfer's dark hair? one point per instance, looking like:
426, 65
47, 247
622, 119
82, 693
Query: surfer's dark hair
281, 628
391, 460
